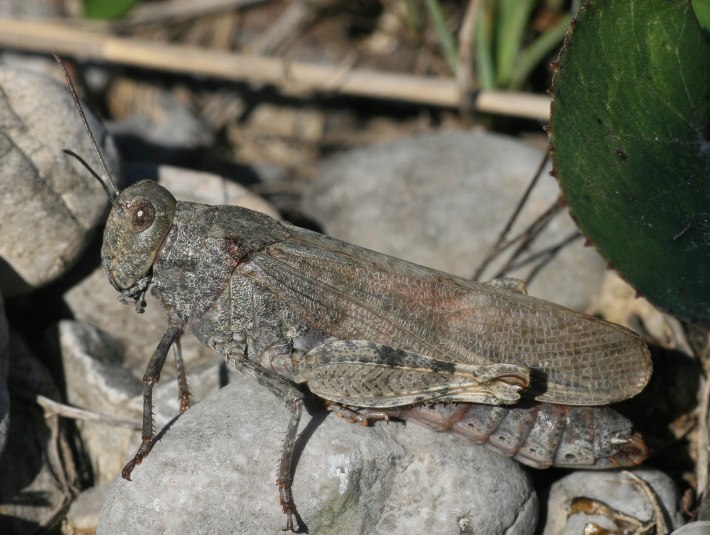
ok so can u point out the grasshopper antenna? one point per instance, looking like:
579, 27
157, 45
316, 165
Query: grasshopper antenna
108, 184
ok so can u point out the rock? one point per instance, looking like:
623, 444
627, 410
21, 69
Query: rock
50, 204
83, 515
97, 379
618, 302
694, 528
442, 199
614, 489
28, 9
207, 188
213, 470
154, 125
4, 366
35, 476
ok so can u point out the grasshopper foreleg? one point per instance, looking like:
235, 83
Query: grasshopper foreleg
151, 376
293, 399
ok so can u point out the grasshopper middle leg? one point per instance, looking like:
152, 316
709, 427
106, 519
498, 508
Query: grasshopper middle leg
293, 399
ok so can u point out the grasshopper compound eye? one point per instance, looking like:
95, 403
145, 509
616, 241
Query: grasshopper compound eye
142, 215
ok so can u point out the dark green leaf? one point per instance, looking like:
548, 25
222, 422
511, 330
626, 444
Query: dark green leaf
630, 127
702, 11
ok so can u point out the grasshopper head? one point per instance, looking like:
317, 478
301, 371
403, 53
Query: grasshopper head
136, 228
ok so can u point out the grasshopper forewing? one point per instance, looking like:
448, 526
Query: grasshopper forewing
353, 293
288, 306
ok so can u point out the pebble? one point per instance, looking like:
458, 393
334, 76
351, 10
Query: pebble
442, 199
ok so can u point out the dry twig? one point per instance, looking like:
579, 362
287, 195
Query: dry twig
287, 27
658, 517
502, 243
154, 12
52, 408
44, 36
464, 68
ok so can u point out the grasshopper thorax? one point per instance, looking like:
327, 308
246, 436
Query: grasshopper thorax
139, 221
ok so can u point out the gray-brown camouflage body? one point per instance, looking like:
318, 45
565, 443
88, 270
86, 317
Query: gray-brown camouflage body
287, 306
249, 285
238, 277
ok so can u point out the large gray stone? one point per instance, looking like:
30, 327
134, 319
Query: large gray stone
83, 514
441, 200
213, 471
49, 204
694, 528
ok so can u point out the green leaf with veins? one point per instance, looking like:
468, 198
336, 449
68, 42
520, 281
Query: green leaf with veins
630, 129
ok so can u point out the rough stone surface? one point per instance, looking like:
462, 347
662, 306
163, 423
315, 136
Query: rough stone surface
4, 367
213, 471
614, 489
158, 124
28, 9
208, 188
97, 379
83, 515
694, 528
49, 204
442, 199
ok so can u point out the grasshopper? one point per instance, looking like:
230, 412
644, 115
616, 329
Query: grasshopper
291, 307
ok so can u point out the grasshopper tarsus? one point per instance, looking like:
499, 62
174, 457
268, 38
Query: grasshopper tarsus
126, 472
128, 469
184, 402
142, 453
287, 505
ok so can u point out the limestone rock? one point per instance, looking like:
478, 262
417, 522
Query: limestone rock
212, 470
49, 204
